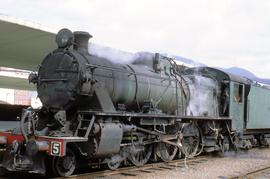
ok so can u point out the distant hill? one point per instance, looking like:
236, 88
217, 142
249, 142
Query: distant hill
265, 81
241, 72
245, 73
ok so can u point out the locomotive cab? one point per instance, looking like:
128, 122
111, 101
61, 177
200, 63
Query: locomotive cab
233, 95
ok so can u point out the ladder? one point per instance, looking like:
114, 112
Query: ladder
85, 125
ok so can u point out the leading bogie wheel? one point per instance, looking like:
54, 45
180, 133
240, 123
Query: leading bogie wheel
114, 162
113, 165
64, 166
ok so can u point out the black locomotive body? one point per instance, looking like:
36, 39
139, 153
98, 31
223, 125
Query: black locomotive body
100, 112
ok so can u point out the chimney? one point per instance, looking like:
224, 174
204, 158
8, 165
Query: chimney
81, 41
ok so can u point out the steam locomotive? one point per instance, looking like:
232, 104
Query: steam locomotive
96, 112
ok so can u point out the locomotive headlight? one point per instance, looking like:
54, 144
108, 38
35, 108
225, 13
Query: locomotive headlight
64, 38
33, 78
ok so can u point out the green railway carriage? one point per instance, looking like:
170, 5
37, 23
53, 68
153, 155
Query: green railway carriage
258, 108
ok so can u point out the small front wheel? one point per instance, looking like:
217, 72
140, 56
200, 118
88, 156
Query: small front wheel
64, 166
113, 165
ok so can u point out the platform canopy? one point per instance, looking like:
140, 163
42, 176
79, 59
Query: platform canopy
22, 46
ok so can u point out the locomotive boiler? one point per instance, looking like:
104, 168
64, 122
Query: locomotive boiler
71, 79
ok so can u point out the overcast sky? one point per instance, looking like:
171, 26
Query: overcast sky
215, 32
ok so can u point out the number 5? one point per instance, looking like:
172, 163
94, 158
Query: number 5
55, 148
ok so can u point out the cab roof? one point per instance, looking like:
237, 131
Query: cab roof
218, 74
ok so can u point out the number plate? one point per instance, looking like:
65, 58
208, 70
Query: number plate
56, 148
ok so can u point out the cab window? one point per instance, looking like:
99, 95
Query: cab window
238, 93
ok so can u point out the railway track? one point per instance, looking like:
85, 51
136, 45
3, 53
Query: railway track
148, 168
262, 173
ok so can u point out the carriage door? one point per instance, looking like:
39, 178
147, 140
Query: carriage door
237, 105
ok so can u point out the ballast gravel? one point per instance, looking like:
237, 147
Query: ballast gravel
216, 167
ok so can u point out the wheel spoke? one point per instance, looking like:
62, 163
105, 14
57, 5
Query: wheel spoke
166, 152
141, 157
191, 141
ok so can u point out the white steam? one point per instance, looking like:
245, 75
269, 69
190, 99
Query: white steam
203, 100
122, 57
114, 55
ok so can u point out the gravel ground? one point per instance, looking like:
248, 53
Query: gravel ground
221, 167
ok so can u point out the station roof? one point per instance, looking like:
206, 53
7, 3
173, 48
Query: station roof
16, 83
22, 46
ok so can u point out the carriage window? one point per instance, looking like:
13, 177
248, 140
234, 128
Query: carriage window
238, 93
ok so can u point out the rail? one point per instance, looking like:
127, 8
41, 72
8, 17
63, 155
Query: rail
148, 168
